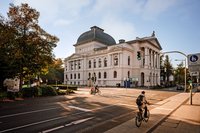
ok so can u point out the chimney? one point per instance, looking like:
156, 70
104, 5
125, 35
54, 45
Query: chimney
121, 41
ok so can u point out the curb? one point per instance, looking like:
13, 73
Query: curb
151, 129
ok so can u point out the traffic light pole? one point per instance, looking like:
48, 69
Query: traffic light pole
191, 87
185, 64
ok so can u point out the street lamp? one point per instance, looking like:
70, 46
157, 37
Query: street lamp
185, 72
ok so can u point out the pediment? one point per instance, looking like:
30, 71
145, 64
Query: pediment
155, 43
74, 56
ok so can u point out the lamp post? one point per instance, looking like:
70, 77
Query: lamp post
185, 72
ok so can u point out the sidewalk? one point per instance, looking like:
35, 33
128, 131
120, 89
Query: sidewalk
172, 115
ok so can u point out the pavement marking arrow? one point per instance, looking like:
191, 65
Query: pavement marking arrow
66, 125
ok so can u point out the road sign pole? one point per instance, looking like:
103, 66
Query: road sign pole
190, 85
191, 96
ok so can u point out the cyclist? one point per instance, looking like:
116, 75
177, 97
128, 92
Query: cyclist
96, 88
141, 103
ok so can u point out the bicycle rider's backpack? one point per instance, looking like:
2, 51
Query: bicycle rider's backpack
139, 100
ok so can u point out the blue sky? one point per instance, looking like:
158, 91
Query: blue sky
175, 22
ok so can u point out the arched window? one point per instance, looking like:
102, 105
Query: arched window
99, 62
94, 74
115, 60
128, 74
105, 62
79, 76
89, 76
79, 64
129, 60
71, 65
99, 75
115, 74
74, 75
75, 65
89, 63
105, 75
71, 76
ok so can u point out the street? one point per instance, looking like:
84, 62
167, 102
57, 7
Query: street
79, 112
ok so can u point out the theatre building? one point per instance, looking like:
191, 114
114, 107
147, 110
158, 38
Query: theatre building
125, 63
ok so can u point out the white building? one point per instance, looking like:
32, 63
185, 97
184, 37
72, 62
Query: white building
98, 55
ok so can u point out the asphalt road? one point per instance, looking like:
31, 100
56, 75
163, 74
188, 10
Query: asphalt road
79, 112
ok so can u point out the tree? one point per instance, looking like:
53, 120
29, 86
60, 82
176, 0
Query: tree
168, 69
54, 73
7, 37
32, 48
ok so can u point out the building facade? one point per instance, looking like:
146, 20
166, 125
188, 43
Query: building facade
97, 56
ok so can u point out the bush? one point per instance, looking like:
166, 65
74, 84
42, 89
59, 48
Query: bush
65, 87
48, 91
3, 95
68, 91
29, 91
61, 92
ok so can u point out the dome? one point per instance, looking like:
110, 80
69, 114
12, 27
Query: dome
95, 34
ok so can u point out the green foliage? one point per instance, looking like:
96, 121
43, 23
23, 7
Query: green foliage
65, 87
38, 91
61, 92
48, 91
25, 48
29, 91
55, 72
3, 95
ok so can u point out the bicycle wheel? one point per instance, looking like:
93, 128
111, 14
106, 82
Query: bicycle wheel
138, 120
99, 92
148, 115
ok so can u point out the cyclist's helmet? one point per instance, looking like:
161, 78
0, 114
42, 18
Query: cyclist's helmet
143, 92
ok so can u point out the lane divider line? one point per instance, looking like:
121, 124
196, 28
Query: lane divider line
82, 109
66, 125
29, 112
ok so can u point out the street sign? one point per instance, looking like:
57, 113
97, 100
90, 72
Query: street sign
194, 62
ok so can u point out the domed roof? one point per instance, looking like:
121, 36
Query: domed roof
95, 34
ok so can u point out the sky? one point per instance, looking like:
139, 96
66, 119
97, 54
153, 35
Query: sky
176, 22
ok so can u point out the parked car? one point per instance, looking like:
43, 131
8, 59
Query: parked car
180, 87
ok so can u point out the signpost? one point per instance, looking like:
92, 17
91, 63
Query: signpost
194, 68
194, 62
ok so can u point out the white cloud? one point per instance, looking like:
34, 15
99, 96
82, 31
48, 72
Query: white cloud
51, 10
62, 22
118, 29
117, 6
154, 8
143, 8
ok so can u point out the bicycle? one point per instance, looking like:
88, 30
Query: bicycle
140, 117
94, 91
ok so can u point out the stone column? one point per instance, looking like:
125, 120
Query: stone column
149, 58
146, 54
158, 61
153, 59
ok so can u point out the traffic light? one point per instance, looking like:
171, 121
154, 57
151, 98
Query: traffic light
138, 55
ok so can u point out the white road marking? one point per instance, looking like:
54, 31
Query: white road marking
127, 105
48, 120
82, 120
36, 123
66, 125
52, 129
29, 112
82, 109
